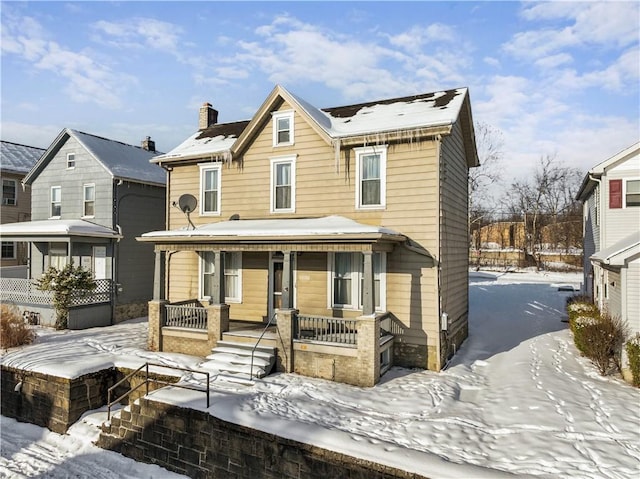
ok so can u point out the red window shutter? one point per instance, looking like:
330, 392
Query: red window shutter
615, 193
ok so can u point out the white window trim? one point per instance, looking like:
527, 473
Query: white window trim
277, 116
15, 191
74, 161
228, 299
208, 167
272, 197
51, 201
356, 281
84, 200
624, 191
14, 250
382, 151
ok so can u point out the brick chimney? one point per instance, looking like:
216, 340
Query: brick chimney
148, 144
208, 116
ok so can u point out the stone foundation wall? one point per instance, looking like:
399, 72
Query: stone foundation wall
130, 311
198, 445
409, 355
52, 402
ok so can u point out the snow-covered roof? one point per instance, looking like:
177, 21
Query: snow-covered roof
337, 123
618, 253
16, 158
121, 160
57, 228
278, 228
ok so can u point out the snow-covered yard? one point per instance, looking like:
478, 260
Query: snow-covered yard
516, 399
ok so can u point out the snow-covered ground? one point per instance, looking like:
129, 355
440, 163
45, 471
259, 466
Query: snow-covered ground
517, 399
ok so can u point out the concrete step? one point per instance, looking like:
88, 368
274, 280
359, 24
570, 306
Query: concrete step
244, 346
234, 358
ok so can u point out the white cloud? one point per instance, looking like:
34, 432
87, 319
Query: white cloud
554, 61
417, 37
140, 33
491, 61
87, 80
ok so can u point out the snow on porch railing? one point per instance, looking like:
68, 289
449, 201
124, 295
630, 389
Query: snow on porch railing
186, 316
24, 291
328, 330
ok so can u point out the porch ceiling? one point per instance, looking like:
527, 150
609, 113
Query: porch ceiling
331, 233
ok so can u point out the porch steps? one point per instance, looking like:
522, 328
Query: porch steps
234, 358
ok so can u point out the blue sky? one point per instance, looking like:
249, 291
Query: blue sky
557, 78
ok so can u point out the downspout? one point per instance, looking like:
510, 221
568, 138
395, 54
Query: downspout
438, 140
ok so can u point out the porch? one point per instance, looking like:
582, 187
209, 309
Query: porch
88, 308
354, 351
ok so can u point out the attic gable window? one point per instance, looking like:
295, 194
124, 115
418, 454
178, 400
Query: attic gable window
371, 165
283, 128
210, 191
71, 160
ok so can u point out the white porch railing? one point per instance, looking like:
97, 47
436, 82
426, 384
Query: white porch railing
24, 291
328, 330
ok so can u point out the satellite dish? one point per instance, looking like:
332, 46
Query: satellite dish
187, 203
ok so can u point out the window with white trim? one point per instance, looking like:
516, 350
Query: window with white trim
283, 128
347, 280
9, 192
56, 201
89, 201
210, 190
232, 275
58, 255
371, 164
632, 193
283, 184
71, 160
8, 250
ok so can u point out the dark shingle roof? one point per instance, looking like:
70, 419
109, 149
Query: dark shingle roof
18, 158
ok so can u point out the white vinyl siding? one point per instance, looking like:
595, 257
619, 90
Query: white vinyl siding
210, 191
371, 174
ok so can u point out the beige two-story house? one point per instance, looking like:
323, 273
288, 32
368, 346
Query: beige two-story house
340, 233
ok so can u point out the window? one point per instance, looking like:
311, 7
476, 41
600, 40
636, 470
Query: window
632, 194
232, 275
89, 200
370, 171
283, 173
283, 131
57, 255
8, 250
56, 201
210, 189
9, 192
71, 160
347, 280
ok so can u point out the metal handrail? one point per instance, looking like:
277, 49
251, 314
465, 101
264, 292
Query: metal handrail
157, 381
258, 342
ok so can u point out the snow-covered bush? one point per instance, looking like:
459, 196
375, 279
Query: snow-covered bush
64, 283
14, 331
633, 352
600, 338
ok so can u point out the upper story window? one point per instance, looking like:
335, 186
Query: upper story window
283, 184
56, 201
283, 128
632, 193
9, 192
89, 203
232, 275
347, 280
210, 189
71, 160
371, 165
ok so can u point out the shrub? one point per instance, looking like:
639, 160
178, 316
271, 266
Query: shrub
633, 352
600, 339
13, 329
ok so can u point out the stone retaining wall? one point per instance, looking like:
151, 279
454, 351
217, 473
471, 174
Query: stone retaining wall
199, 445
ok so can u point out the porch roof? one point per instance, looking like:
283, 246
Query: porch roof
33, 230
297, 230
621, 252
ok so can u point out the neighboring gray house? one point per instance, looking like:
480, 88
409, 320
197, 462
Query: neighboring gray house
610, 194
15, 162
91, 197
